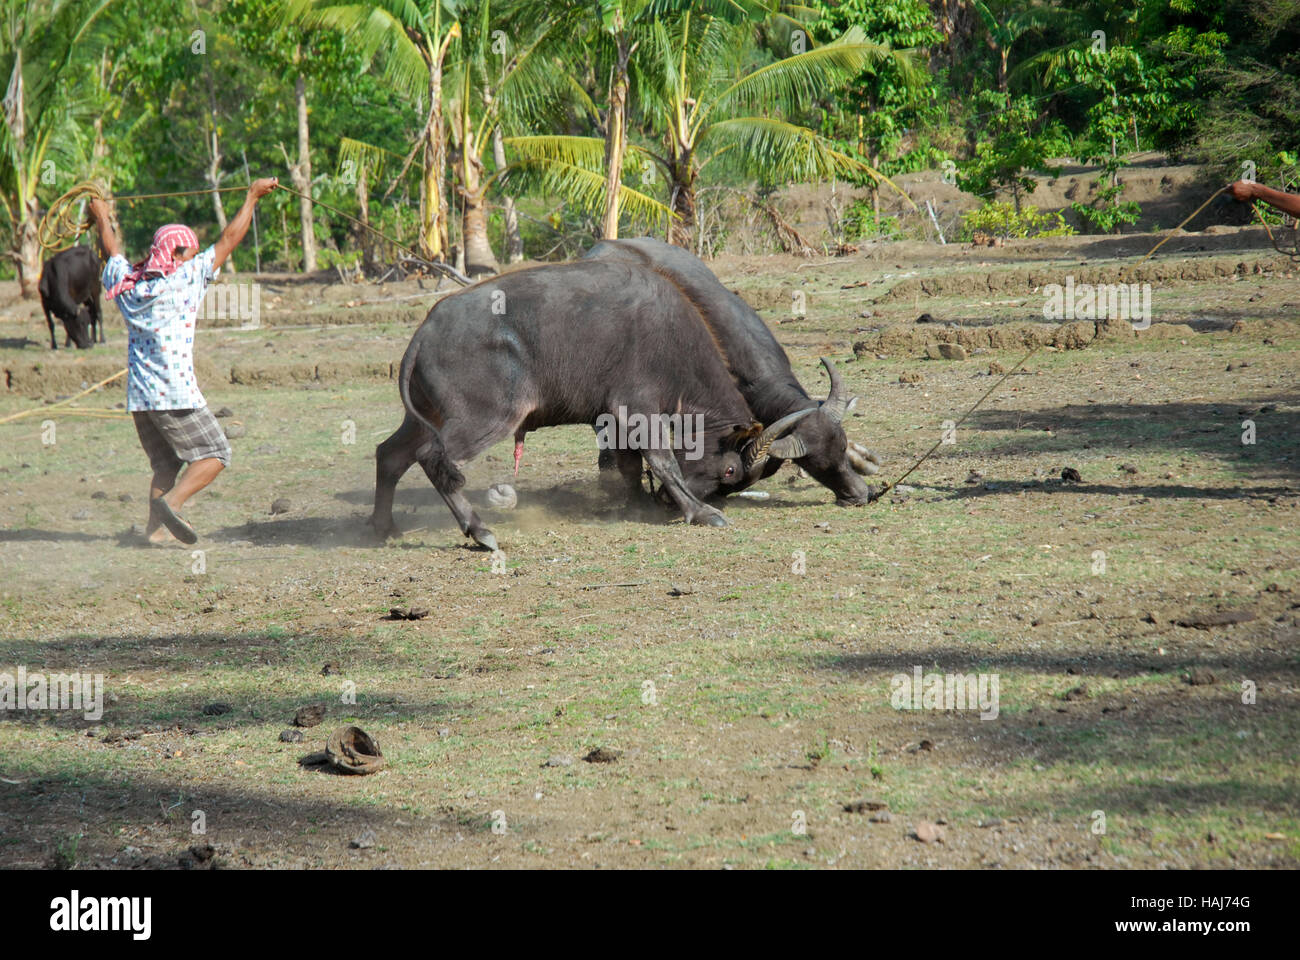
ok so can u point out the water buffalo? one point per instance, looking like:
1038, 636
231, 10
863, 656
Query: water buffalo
579, 343
69, 289
762, 371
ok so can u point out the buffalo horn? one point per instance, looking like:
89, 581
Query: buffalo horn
759, 449
836, 405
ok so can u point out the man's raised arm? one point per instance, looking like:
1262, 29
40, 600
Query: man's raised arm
108, 238
1248, 190
237, 227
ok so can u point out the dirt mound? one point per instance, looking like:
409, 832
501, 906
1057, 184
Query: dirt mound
288, 374
1031, 280
282, 317
897, 339
63, 375
48, 379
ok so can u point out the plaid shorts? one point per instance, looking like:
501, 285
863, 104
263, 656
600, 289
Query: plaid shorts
172, 438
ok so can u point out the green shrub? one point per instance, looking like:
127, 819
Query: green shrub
1000, 219
862, 222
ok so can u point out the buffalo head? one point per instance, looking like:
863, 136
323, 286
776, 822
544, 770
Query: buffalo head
79, 330
820, 446
734, 460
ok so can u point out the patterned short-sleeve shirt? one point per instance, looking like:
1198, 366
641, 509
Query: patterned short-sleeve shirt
161, 317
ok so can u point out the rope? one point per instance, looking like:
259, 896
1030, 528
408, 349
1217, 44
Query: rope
1025, 359
64, 221
1294, 253
36, 410
61, 227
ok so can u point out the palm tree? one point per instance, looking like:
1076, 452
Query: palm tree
704, 113
411, 38
502, 83
38, 40
611, 32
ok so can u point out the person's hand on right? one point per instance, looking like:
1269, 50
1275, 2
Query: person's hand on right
260, 188
1242, 190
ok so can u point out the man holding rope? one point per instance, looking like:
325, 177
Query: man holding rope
1247, 190
159, 298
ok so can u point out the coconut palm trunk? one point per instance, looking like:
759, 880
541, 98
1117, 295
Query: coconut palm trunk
29, 251
615, 140
433, 215
681, 230
514, 242
363, 214
479, 258
301, 175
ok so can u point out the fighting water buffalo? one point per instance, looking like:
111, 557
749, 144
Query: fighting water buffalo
608, 344
762, 371
69, 289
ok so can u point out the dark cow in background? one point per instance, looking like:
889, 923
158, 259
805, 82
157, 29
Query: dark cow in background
762, 371
570, 344
69, 290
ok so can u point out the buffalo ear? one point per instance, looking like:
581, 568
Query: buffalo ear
741, 434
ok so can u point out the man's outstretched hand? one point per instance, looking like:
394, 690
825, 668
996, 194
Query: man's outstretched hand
1247, 190
260, 188
1242, 190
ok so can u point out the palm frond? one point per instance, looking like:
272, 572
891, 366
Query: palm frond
582, 186
806, 76
374, 29
785, 150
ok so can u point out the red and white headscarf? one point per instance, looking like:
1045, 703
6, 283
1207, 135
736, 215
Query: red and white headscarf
161, 261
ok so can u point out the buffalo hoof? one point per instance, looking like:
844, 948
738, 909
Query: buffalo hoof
485, 539
712, 518
384, 530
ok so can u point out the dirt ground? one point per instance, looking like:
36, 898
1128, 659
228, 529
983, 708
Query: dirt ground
739, 680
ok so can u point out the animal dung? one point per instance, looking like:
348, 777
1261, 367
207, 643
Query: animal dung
1223, 618
1071, 475
309, 716
502, 496
866, 805
234, 429
402, 613
216, 709
279, 506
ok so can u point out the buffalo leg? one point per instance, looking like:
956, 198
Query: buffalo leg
96, 320
461, 440
393, 458
664, 466
606, 460
463, 511
630, 467
49, 321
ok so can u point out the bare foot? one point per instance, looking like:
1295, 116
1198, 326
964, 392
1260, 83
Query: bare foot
161, 537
